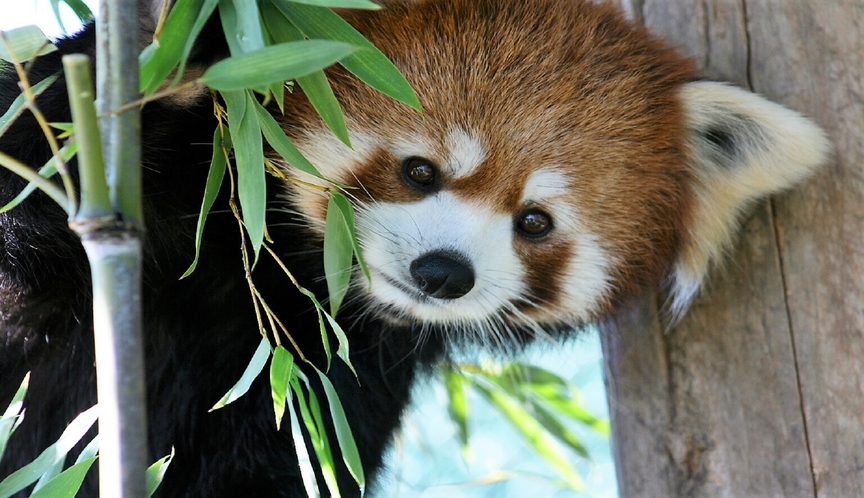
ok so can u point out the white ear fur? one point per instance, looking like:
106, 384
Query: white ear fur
742, 148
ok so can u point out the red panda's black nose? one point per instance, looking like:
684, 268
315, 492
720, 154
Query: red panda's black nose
443, 275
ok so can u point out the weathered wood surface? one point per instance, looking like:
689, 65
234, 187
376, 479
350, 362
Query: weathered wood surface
760, 390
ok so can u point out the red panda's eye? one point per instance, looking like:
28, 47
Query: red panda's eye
420, 173
534, 224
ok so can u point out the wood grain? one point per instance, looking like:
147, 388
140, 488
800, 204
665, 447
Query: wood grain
758, 392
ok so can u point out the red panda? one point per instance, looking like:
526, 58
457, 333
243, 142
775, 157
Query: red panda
569, 160
565, 161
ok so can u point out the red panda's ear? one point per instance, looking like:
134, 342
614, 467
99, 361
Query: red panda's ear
742, 148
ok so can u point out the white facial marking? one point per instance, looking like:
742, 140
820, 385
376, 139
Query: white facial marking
587, 276
394, 235
543, 184
466, 153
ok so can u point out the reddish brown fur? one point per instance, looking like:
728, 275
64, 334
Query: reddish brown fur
562, 83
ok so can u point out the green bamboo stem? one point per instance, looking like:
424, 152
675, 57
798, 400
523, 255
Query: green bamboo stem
112, 240
116, 86
95, 202
121, 381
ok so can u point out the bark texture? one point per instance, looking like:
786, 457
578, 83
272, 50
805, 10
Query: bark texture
758, 392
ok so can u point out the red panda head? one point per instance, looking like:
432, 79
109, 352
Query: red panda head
564, 161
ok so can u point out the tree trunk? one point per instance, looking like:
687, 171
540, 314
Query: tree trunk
758, 392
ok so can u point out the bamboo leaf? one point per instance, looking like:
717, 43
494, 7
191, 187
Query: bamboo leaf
242, 25
555, 393
176, 39
554, 426
458, 407
347, 211
81, 10
90, 450
543, 441
256, 365
156, 472
320, 95
341, 4
281, 143
338, 254
273, 64
14, 414
46, 171
19, 104
311, 414
343, 350
370, 65
218, 165
31, 472
67, 483
307, 472
281, 372
248, 152
347, 445
26, 42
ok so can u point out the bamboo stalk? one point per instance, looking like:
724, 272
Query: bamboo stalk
109, 223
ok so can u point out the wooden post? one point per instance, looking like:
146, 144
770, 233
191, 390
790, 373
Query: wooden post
760, 390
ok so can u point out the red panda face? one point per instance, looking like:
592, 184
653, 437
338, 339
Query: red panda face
543, 178
550, 176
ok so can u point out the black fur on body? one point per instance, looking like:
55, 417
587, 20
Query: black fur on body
200, 332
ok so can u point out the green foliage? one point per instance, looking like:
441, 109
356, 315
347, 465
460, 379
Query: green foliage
23, 44
537, 403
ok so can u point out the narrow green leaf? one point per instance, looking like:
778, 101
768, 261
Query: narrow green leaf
13, 416
24, 171
55, 7
281, 372
310, 410
281, 143
90, 450
347, 211
557, 429
572, 409
256, 365
174, 42
307, 471
26, 42
278, 27
341, 4
156, 472
275, 63
338, 254
67, 483
543, 442
46, 171
369, 65
244, 32
556, 393
18, 105
249, 154
343, 433
218, 165
31, 472
458, 407
49, 474
320, 95
81, 10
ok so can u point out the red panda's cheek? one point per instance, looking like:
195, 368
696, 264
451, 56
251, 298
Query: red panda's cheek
567, 278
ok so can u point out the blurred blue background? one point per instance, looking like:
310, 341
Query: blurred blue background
426, 459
